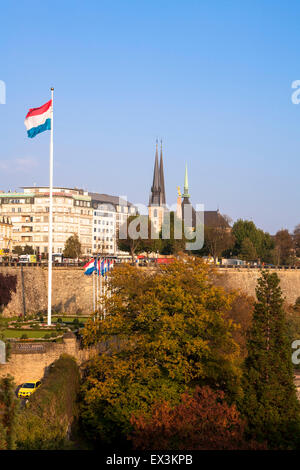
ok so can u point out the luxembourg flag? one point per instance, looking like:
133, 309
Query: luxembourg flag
38, 119
89, 267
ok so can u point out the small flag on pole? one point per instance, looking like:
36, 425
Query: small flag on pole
38, 119
89, 267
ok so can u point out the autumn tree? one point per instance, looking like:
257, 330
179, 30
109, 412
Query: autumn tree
283, 247
72, 247
8, 285
167, 333
270, 403
201, 421
296, 239
218, 238
241, 314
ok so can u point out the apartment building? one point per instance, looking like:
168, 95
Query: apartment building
95, 218
5, 234
29, 214
109, 213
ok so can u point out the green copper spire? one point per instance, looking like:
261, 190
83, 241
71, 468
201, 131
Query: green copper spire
186, 183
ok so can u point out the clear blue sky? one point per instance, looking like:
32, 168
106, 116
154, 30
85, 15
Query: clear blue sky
212, 78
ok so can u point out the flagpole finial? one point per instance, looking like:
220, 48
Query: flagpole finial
52, 88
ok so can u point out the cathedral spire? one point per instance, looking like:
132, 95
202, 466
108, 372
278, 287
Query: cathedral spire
161, 177
155, 189
186, 184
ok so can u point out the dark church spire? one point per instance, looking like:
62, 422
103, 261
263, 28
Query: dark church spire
162, 178
155, 189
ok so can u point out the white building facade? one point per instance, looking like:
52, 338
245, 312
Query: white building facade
29, 214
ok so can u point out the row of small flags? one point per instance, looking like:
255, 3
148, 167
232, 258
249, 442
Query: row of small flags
100, 265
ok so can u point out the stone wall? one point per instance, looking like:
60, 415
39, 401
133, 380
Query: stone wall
29, 361
72, 291
246, 279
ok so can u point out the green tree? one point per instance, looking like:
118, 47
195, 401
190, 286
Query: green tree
18, 250
262, 242
72, 247
270, 403
248, 251
167, 333
26, 250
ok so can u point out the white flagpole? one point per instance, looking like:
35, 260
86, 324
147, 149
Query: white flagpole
93, 291
97, 285
50, 217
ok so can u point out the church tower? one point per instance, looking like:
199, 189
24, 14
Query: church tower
187, 210
157, 200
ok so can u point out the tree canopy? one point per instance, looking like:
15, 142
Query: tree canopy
250, 241
170, 333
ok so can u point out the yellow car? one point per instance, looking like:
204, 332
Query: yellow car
28, 388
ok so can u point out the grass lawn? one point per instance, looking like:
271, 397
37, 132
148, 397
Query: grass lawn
10, 333
70, 319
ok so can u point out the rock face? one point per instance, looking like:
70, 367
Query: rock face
72, 291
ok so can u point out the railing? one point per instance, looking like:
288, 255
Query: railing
43, 264
241, 266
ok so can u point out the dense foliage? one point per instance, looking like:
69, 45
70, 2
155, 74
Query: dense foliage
45, 422
270, 403
201, 421
172, 335
252, 243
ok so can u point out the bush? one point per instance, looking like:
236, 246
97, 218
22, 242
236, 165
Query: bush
24, 336
46, 422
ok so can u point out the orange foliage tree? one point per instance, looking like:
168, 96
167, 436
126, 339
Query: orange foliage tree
202, 421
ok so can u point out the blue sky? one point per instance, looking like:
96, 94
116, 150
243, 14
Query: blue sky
212, 78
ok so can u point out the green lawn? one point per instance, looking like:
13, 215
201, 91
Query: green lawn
70, 319
11, 333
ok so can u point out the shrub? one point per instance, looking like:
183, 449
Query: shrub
45, 423
24, 336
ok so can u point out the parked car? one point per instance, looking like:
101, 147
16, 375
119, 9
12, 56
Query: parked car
28, 388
